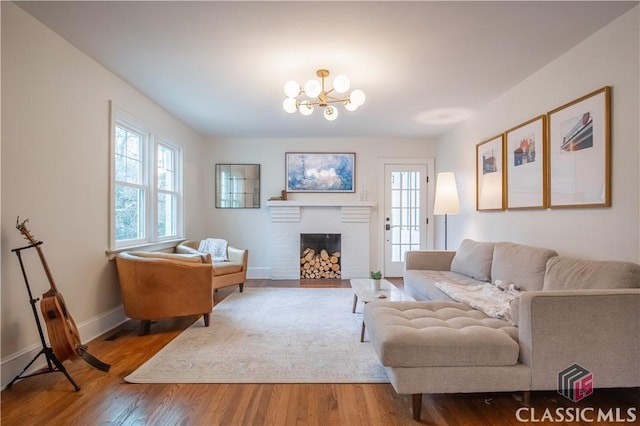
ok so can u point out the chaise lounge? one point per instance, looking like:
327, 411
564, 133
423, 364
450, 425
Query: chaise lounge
568, 312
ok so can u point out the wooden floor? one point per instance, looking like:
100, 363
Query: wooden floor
105, 398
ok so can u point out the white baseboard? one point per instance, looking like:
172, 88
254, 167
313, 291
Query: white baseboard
259, 273
12, 365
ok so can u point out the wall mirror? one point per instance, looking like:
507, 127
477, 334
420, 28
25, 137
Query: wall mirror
238, 186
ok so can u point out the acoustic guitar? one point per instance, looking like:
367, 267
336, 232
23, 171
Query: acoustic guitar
61, 328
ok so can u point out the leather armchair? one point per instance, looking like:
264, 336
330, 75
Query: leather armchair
164, 285
231, 272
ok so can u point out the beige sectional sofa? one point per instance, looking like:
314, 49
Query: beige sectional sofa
564, 311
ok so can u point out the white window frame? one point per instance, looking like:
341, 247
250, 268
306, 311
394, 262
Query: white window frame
177, 191
150, 183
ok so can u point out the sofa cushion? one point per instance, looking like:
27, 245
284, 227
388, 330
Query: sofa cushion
521, 265
565, 273
434, 334
225, 268
473, 259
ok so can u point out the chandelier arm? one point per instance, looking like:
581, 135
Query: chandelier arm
316, 101
308, 102
331, 99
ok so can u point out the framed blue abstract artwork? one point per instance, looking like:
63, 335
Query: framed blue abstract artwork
320, 171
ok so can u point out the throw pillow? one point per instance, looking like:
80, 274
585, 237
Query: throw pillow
521, 264
565, 273
473, 259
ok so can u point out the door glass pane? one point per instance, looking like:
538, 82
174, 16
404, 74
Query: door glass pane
395, 234
395, 180
405, 213
395, 217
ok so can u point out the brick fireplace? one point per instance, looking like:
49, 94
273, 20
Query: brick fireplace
290, 219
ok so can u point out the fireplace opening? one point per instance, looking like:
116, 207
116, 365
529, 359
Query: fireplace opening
320, 256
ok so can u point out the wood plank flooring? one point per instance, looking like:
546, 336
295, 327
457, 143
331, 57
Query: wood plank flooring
106, 399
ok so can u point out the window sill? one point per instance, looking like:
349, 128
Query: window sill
158, 246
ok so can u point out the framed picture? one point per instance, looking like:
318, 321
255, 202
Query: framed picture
525, 147
489, 174
320, 171
580, 152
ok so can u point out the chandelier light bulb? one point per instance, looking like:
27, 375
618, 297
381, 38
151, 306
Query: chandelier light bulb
331, 113
357, 97
291, 89
341, 84
290, 105
305, 108
350, 106
312, 88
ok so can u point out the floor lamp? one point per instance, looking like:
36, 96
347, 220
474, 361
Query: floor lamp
446, 201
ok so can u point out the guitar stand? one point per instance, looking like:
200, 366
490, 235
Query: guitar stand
53, 363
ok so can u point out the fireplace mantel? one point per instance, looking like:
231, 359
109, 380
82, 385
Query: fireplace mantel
349, 218
319, 203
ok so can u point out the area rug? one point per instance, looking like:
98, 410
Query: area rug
270, 335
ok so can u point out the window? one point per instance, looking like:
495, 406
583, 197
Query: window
168, 194
146, 186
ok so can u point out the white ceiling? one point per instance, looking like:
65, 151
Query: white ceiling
220, 66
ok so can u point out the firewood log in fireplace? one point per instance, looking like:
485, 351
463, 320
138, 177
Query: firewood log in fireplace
319, 265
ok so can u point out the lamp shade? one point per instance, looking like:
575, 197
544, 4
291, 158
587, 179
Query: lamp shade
305, 108
291, 89
290, 105
357, 97
349, 106
446, 201
331, 113
312, 88
341, 84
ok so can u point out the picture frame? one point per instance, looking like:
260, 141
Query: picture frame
525, 165
579, 152
320, 171
490, 174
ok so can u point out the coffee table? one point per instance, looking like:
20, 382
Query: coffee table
363, 290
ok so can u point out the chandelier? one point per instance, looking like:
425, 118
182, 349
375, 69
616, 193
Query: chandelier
315, 92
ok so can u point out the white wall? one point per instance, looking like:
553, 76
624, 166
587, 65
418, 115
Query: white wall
250, 228
55, 171
609, 57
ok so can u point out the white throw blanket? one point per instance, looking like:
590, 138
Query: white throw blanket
493, 300
216, 247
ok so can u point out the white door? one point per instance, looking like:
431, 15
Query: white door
406, 216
